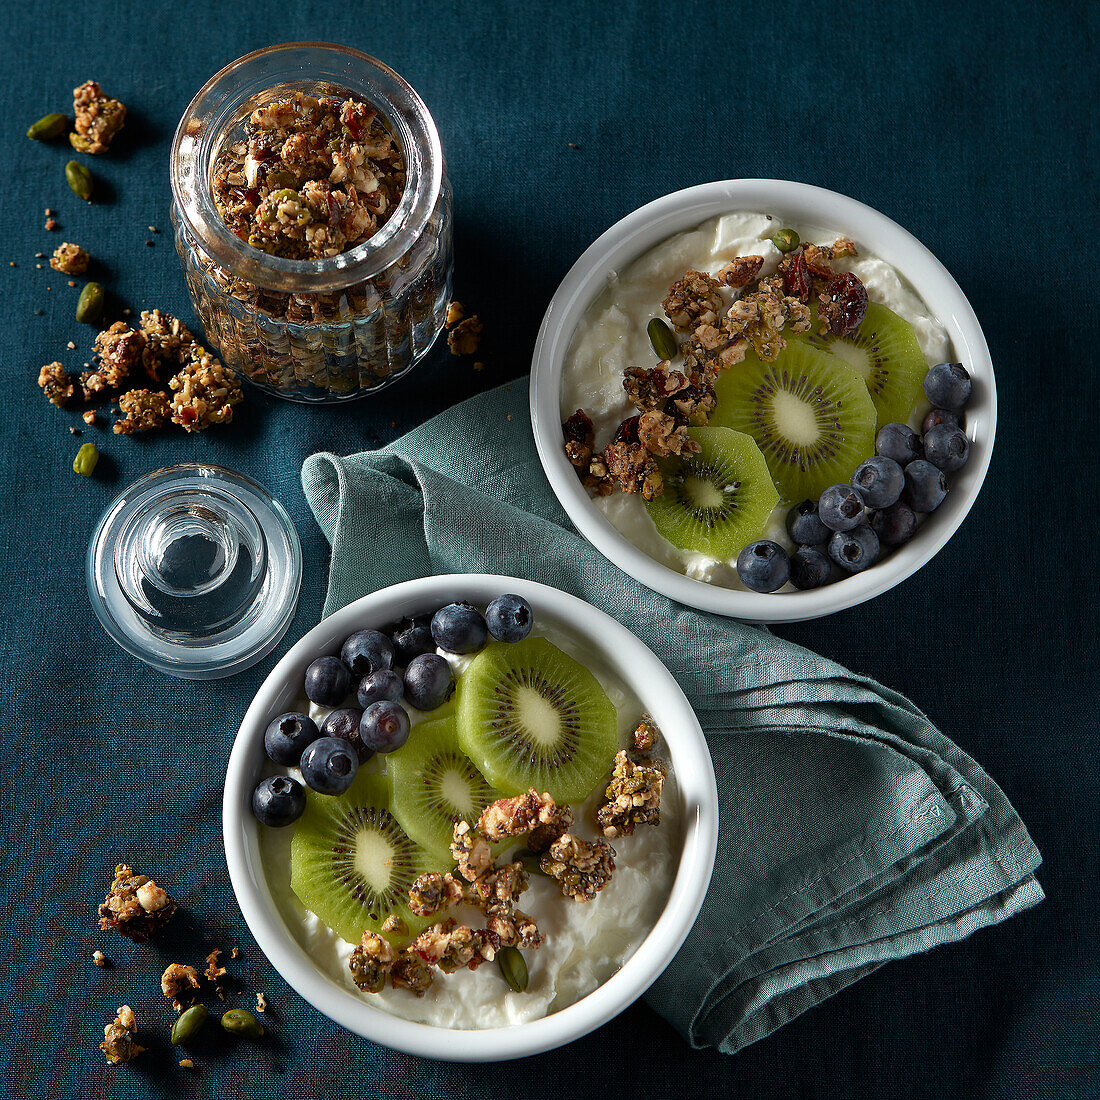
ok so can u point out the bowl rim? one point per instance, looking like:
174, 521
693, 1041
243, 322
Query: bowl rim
638, 667
798, 203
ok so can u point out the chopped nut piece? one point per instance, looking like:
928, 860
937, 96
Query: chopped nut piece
186, 1063
143, 410
582, 868
98, 118
235, 953
455, 312
70, 259
740, 271
470, 851
645, 736
393, 925
56, 383
99, 958
205, 392
464, 338
214, 973
178, 980
632, 798
135, 906
119, 1044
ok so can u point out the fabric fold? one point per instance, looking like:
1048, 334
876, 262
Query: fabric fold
852, 831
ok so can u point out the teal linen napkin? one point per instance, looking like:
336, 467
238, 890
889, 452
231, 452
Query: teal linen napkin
852, 831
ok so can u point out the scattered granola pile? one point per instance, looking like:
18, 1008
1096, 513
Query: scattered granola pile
581, 869
312, 177
199, 392
713, 333
98, 118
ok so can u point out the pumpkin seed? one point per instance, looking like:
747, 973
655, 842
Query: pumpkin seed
89, 306
86, 458
80, 179
189, 1025
240, 1021
513, 968
662, 339
48, 127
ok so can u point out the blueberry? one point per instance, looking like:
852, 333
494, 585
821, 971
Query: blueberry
459, 628
947, 385
804, 524
376, 686
895, 525
763, 566
367, 651
937, 417
411, 637
509, 618
329, 765
841, 507
288, 736
344, 723
854, 550
278, 801
947, 448
925, 486
809, 568
385, 726
429, 682
880, 480
899, 442
328, 681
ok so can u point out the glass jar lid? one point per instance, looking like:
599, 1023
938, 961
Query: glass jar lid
195, 570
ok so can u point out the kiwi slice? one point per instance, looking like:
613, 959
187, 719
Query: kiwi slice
529, 715
352, 863
436, 784
717, 501
808, 411
886, 352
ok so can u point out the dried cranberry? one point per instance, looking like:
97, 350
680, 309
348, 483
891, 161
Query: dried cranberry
843, 304
796, 276
627, 431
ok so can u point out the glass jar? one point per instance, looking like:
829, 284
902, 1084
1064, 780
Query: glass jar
316, 330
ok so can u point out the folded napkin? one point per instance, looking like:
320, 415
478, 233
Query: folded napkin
851, 830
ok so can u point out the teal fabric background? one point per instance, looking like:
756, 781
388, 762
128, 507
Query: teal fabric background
971, 124
851, 831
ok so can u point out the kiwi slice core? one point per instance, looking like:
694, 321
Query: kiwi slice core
529, 715
717, 501
352, 862
808, 411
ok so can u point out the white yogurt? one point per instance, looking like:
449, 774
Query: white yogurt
612, 336
583, 943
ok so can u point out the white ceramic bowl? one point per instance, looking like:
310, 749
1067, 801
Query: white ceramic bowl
795, 204
639, 670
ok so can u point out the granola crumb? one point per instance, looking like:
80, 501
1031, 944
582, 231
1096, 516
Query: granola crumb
235, 953
261, 1003
177, 981
479, 366
186, 1063
75, 431
50, 225
71, 346
56, 383
455, 312
89, 417
214, 972
98, 118
70, 259
99, 958
118, 1044
464, 338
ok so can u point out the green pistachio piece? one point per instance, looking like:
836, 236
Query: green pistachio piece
240, 1021
89, 306
513, 968
80, 179
48, 127
86, 458
189, 1025
786, 240
662, 339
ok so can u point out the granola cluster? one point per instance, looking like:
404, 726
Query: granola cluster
198, 393
135, 906
119, 1038
581, 868
70, 259
712, 336
632, 798
311, 178
178, 981
98, 118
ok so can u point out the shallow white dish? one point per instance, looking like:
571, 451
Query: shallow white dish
791, 203
661, 697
